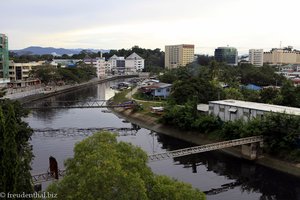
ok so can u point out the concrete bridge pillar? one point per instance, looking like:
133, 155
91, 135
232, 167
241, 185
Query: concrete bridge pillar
252, 151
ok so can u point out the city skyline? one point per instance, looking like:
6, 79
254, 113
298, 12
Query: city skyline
118, 24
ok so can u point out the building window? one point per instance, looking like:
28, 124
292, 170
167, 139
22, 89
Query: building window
158, 90
260, 116
232, 110
246, 113
222, 109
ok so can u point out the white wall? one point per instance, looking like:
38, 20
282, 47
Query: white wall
134, 65
223, 112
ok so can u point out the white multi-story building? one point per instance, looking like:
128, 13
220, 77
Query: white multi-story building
99, 64
256, 57
117, 64
134, 63
101, 67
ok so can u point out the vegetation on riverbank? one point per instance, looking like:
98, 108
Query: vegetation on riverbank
280, 131
103, 168
194, 85
120, 97
52, 75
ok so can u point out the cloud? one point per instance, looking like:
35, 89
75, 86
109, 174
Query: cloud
150, 24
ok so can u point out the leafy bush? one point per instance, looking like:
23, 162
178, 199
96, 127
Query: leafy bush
207, 123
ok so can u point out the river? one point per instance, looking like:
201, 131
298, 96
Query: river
221, 176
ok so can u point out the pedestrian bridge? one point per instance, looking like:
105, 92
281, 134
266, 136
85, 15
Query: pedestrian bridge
49, 176
79, 104
209, 147
252, 151
50, 132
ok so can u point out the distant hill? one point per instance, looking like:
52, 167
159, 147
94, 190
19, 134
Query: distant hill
36, 50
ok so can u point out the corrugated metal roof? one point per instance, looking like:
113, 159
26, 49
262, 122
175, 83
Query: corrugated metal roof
162, 85
203, 107
259, 106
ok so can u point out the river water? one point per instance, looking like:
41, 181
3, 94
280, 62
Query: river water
221, 176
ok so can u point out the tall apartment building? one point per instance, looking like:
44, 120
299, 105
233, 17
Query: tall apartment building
178, 55
134, 63
256, 57
282, 56
228, 55
4, 59
99, 63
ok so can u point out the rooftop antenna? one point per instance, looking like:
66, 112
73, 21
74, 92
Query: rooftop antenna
280, 44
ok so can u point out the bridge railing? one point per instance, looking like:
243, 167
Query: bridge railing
86, 131
39, 178
204, 148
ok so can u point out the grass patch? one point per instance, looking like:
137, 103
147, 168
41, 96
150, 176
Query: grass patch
146, 107
120, 97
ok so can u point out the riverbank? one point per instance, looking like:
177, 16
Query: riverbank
69, 88
151, 123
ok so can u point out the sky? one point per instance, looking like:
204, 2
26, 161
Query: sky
116, 24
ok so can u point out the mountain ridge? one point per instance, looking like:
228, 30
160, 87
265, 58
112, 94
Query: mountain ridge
37, 50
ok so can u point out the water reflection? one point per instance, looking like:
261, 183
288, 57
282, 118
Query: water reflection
246, 175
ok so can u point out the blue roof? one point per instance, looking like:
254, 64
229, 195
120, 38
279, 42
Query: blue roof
253, 87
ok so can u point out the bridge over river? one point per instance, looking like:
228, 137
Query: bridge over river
98, 103
254, 142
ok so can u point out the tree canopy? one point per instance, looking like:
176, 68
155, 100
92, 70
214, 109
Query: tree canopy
103, 168
15, 150
49, 74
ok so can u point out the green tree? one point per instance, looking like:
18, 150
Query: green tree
15, 150
103, 168
270, 95
10, 160
166, 188
182, 116
204, 60
290, 94
250, 95
191, 88
280, 131
46, 73
2, 92
214, 70
233, 93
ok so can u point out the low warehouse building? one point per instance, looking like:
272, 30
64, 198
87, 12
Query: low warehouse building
230, 110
